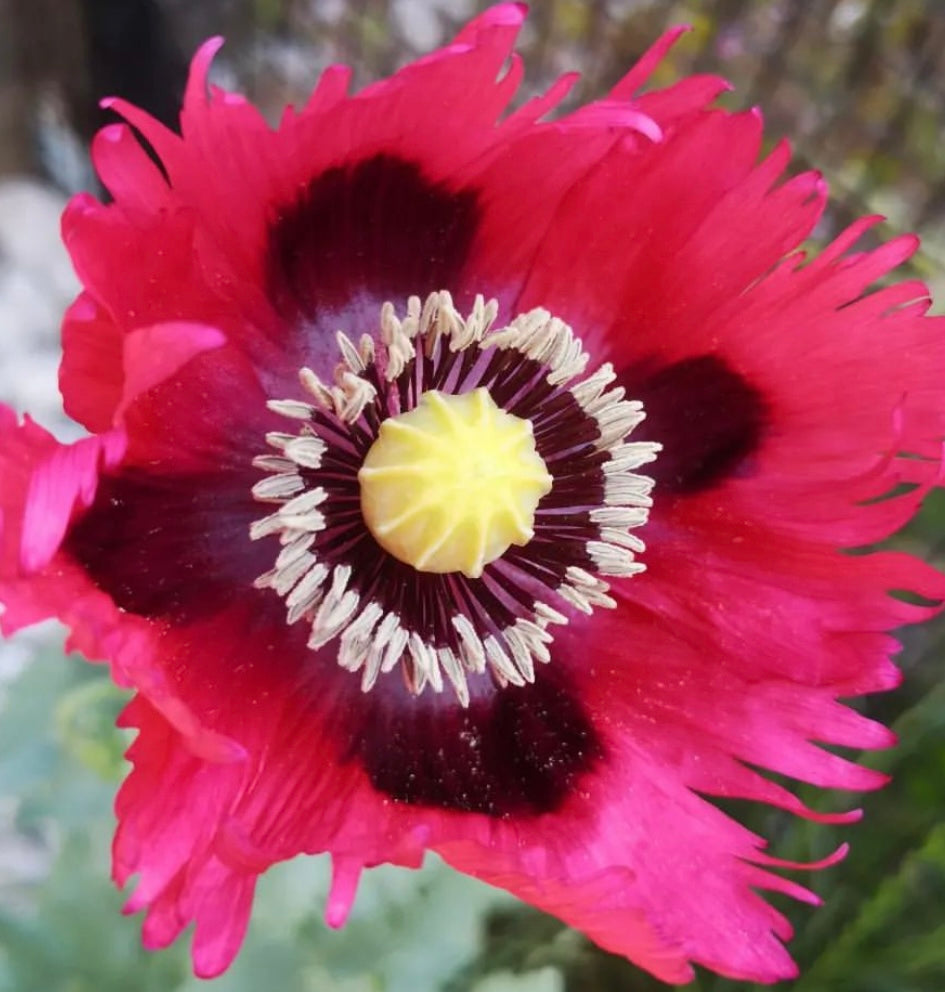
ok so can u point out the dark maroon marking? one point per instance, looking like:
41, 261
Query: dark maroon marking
512, 752
171, 546
708, 418
362, 234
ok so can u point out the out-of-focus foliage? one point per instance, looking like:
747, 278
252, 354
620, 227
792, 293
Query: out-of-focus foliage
859, 85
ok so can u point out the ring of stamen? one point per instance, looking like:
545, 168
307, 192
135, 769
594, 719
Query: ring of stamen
387, 614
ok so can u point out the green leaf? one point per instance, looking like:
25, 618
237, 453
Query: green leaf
897, 939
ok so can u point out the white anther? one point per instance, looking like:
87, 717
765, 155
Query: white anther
308, 592
411, 322
276, 488
286, 577
395, 649
313, 521
619, 516
471, 649
366, 350
591, 388
351, 396
521, 655
332, 617
590, 588
613, 535
372, 666
356, 639
306, 450
454, 672
293, 550
293, 409
425, 662
273, 463
501, 662
304, 502
265, 526
314, 386
612, 559
278, 439
547, 614
349, 352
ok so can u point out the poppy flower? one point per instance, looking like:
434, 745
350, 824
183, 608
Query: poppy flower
383, 405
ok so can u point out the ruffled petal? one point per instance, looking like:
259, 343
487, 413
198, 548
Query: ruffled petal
627, 190
633, 831
785, 413
820, 463
170, 250
160, 840
45, 482
90, 374
127, 172
49, 492
257, 169
674, 729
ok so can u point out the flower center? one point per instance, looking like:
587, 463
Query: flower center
450, 485
457, 491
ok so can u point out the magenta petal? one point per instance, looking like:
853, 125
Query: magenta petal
345, 874
63, 481
800, 413
153, 354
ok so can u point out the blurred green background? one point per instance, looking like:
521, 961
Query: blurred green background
859, 86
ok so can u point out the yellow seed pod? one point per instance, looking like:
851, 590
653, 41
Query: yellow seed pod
450, 485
